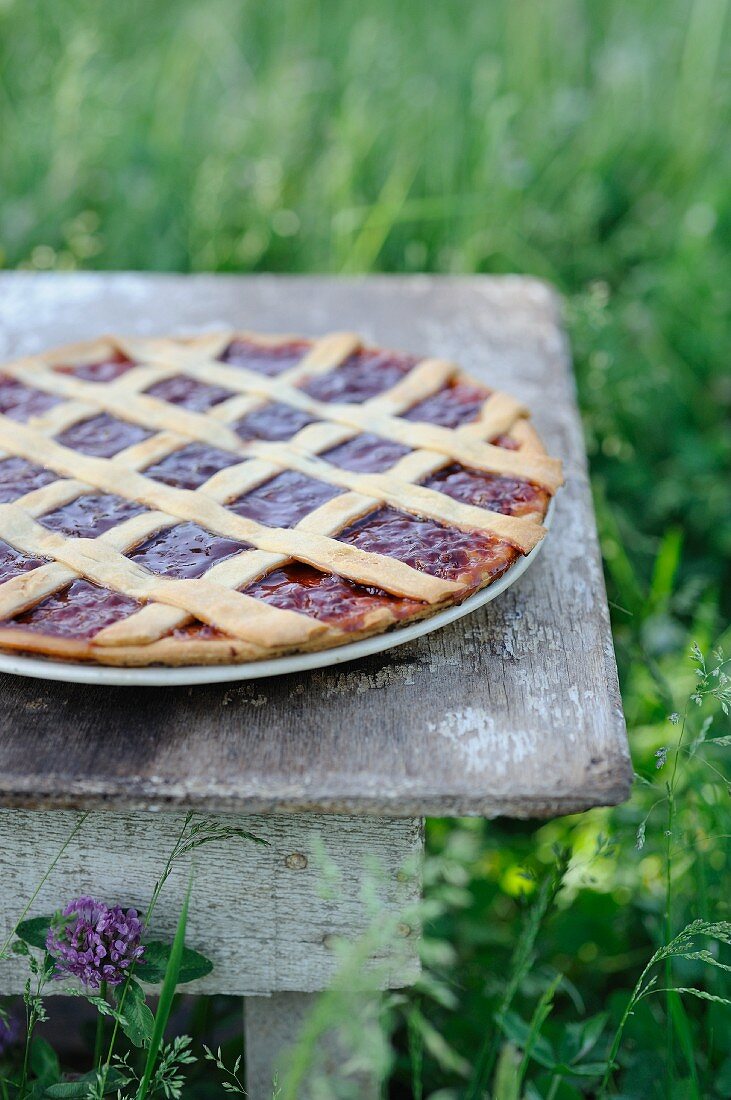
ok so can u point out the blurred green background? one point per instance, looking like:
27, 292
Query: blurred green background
584, 142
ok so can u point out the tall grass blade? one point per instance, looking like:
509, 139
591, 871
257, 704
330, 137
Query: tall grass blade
167, 993
521, 963
681, 1026
540, 1015
507, 1074
36, 892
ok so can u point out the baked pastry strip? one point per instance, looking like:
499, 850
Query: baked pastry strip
323, 553
150, 412
155, 621
23, 592
500, 415
225, 609
374, 489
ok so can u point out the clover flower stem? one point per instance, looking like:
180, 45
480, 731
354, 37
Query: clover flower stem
31, 1020
99, 1037
26, 1053
148, 915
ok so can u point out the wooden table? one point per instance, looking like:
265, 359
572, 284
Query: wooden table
514, 710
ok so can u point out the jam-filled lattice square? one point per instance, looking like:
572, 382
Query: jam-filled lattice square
18, 477
21, 402
102, 436
188, 393
87, 517
185, 550
285, 500
189, 467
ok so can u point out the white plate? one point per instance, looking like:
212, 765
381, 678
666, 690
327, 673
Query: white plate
44, 668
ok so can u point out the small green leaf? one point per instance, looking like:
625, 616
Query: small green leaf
665, 569
589, 1034
507, 1074
79, 1089
34, 931
437, 1045
153, 964
580, 1069
518, 1032
104, 1008
137, 1019
68, 1089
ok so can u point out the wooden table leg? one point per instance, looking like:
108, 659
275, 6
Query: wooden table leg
272, 1026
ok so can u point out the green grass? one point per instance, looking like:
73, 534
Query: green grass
584, 142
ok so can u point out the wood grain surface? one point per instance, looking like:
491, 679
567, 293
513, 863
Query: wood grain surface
514, 710
270, 917
272, 1026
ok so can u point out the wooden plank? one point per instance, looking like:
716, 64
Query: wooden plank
515, 710
269, 917
272, 1026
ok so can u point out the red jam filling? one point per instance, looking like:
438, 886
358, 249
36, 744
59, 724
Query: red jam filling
90, 516
285, 500
79, 611
273, 421
185, 551
103, 436
298, 587
181, 390
498, 494
506, 442
106, 371
12, 562
456, 404
18, 477
20, 402
265, 360
362, 375
366, 454
196, 632
429, 547
191, 466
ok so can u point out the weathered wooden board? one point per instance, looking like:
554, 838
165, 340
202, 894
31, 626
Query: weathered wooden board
272, 1027
514, 710
269, 917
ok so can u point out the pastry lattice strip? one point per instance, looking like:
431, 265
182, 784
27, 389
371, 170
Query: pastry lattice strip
427, 377
499, 413
96, 560
157, 619
415, 465
109, 476
150, 412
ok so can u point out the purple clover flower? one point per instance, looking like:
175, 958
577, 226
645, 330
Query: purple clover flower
95, 942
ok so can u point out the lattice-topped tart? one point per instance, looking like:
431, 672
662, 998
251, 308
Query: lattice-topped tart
231, 497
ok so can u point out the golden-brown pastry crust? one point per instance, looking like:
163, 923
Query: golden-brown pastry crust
243, 628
